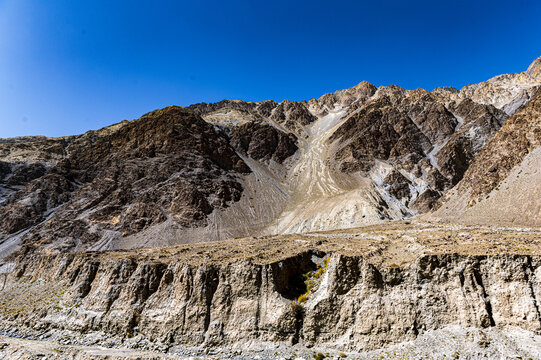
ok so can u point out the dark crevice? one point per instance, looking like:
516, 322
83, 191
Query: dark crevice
528, 273
299, 321
374, 277
74, 275
415, 328
258, 283
461, 277
120, 281
488, 306
20, 271
67, 262
153, 282
211, 284
288, 274
134, 321
90, 275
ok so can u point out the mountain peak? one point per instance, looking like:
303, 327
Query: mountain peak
534, 70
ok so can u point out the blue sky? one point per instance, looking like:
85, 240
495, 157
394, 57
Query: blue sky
70, 66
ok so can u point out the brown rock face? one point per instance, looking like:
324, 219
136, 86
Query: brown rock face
520, 135
5, 170
249, 128
377, 132
167, 164
434, 120
204, 108
454, 158
534, 70
263, 142
426, 201
292, 115
27, 173
29, 205
42, 147
351, 97
398, 185
424, 134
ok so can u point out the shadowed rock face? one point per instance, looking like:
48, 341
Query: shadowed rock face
426, 201
292, 115
520, 135
27, 173
5, 170
502, 183
480, 124
398, 185
433, 119
263, 142
377, 132
430, 137
167, 164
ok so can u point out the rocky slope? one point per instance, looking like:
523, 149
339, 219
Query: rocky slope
503, 184
213, 171
170, 164
353, 291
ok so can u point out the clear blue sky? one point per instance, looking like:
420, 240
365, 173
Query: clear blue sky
70, 66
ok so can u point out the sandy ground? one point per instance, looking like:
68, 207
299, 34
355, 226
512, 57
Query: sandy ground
14, 348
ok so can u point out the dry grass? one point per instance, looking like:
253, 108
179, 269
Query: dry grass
391, 243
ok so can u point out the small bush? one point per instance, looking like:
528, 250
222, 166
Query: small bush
310, 285
318, 356
302, 298
318, 273
326, 261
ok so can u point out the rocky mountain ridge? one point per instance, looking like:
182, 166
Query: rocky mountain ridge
213, 171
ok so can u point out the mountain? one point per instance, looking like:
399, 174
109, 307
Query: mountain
355, 157
262, 230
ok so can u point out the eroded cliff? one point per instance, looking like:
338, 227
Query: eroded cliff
352, 291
